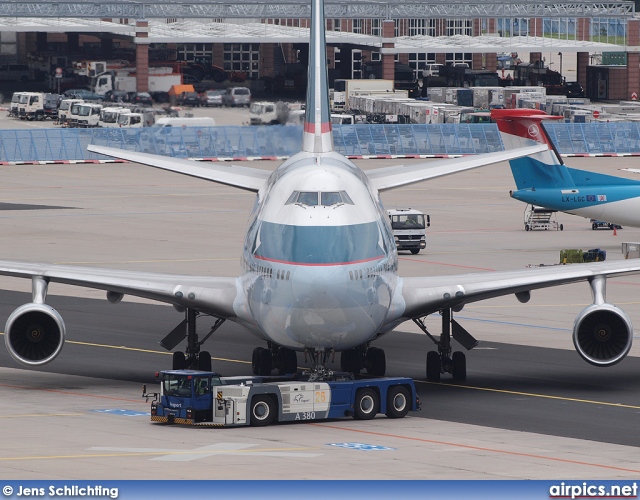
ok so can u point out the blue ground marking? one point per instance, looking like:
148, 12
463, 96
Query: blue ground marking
125, 413
361, 446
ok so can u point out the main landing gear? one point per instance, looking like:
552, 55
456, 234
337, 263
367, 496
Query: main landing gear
443, 361
284, 360
192, 358
371, 358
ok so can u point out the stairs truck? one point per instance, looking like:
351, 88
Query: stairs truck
409, 229
205, 399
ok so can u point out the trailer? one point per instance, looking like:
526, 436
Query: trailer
541, 218
204, 398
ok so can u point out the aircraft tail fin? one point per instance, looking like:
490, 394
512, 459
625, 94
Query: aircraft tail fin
524, 127
317, 136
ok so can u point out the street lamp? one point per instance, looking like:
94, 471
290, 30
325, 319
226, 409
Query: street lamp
560, 54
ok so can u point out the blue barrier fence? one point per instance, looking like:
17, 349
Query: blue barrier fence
277, 141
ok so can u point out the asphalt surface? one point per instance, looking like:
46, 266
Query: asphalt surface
521, 388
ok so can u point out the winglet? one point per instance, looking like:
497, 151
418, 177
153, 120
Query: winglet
317, 136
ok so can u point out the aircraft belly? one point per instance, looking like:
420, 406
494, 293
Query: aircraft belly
624, 212
320, 307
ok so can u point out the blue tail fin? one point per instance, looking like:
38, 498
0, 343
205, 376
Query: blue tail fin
317, 136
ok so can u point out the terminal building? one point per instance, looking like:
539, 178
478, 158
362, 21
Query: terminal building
259, 42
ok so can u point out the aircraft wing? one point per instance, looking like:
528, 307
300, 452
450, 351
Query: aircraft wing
426, 295
211, 295
400, 175
251, 179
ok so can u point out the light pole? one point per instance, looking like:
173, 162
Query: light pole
560, 54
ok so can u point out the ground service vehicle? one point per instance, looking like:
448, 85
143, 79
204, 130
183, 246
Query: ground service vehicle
269, 113
37, 106
160, 80
64, 110
15, 102
88, 115
409, 229
205, 399
344, 90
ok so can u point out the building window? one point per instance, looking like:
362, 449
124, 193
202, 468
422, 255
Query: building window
459, 27
242, 57
459, 58
357, 25
337, 25
375, 56
376, 27
418, 60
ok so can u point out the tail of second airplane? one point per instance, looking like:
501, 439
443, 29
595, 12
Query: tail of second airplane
523, 127
317, 136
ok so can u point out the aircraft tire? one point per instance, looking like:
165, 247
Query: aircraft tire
261, 361
398, 402
288, 361
351, 361
433, 366
367, 404
459, 366
204, 361
376, 362
179, 361
263, 410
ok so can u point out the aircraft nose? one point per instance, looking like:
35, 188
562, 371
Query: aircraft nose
319, 287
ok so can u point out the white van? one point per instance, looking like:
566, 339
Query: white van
173, 136
431, 70
185, 122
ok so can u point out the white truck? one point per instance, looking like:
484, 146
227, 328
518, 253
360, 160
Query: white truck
85, 115
409, 229
161, 79
271, 113
37, 106
344, 90
109, 116
64, 110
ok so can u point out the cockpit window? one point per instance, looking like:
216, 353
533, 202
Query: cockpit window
325, 198
308, 198
330, 198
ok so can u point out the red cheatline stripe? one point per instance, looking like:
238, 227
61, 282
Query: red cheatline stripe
316, 265
310, 127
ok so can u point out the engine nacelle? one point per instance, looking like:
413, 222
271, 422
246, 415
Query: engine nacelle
602, 334
34, 334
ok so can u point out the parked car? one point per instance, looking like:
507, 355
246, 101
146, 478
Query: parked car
237, 96
15, 72
213, 97
189, 99
84, 94
116, 96
573, 89
141, 98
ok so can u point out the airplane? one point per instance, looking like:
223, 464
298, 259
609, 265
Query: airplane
544, 180
319, 266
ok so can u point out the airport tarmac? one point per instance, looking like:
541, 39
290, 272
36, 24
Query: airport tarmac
133, 217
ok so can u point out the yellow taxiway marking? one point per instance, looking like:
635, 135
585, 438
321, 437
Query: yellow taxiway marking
531, 395
151, 453
487, 389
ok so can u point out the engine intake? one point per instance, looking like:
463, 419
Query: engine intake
602, 334
34, 334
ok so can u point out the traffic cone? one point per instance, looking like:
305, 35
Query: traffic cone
615, 232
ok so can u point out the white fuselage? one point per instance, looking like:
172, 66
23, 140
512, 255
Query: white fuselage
321, 275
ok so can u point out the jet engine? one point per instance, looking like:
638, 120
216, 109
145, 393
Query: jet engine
34, 334
602, 334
